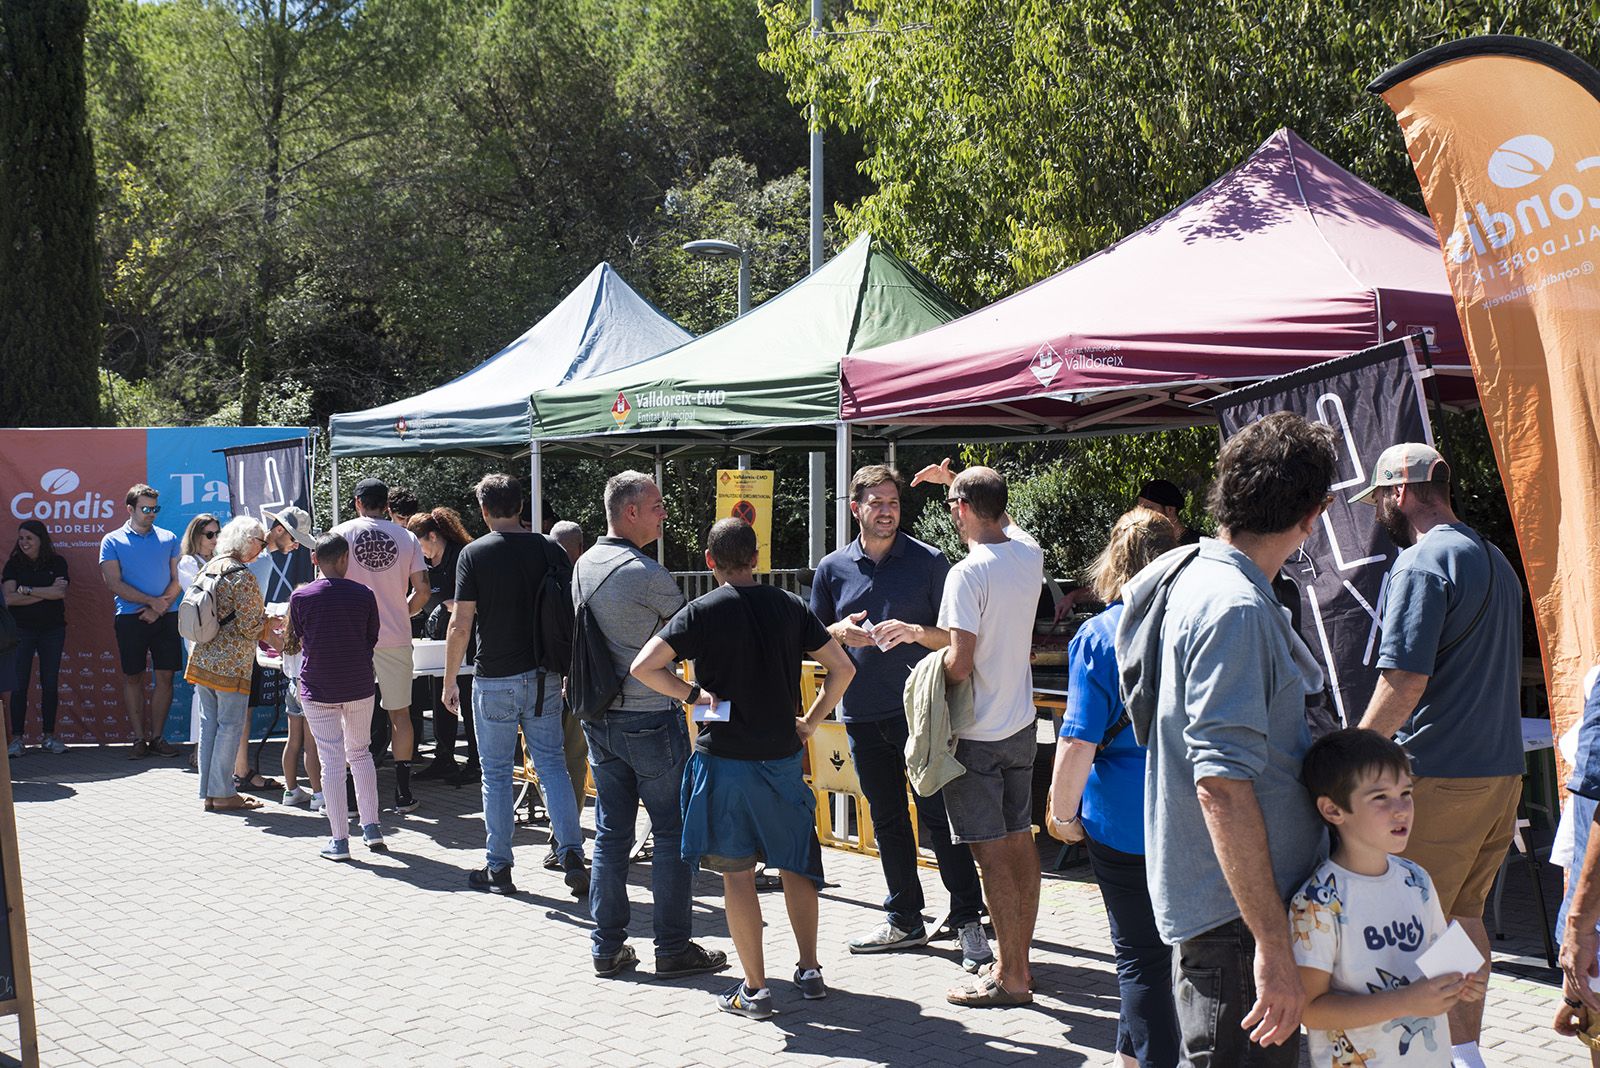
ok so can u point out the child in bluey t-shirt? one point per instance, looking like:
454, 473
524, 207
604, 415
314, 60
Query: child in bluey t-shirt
1365, 915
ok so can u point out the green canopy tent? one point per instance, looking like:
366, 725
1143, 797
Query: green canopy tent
766, 380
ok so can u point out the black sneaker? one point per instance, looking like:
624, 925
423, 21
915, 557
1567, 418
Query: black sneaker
439, 769
577, 878
494, 880
606, 967
552, 862
404, 805
691, 960
466, 775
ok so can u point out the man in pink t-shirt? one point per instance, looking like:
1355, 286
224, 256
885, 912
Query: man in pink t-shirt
387, 559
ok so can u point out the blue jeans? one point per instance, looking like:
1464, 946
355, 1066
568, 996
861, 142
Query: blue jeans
1147, 1023
47, 645
222, 720
638, 756
499, 707
878, 748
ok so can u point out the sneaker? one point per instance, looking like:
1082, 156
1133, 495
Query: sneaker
336, 849
296, 797
552, 862
468, 774
138, 750
742, 1001
887, 936
372, 837
606, 967
55, 745
403, 805
15, 748
975, 951
809, 980
577, 877
439, 769
691, 960
162, 747
318, 803
494, 880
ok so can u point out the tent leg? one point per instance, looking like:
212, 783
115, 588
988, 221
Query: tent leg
661, 481
842, 473
892, 453
744, 461
536, 486
333, 491
818, 526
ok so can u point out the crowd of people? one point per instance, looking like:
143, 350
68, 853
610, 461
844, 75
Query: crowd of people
1259, 874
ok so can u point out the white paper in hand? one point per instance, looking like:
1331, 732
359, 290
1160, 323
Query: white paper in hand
1453, 953
720, 712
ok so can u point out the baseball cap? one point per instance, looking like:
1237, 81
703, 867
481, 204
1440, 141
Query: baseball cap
371, 485
295, 521
1403, 464
1162, 492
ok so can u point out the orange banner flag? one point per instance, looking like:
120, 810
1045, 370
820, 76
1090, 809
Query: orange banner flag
1504, 133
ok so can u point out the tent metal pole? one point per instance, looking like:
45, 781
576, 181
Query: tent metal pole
892, 453
818, 524
841, 482
333, 490
536, 485
661, 481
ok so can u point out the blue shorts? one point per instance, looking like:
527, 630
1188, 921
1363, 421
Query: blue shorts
737, 813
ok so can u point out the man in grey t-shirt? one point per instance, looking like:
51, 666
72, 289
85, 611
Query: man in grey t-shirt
638, 749
1451, 663
1230, 832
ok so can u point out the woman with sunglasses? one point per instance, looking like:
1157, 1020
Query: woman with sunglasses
221, 668
198, 546
35, 583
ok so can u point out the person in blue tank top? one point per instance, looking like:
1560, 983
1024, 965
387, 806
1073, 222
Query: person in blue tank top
1097, 797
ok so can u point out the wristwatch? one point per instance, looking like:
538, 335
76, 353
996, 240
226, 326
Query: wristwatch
694, 693
26, 591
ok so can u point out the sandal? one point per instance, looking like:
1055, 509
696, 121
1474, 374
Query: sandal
985, 992
236, 803
987, 968
256, 781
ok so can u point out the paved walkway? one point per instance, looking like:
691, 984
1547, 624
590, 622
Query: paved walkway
164, 935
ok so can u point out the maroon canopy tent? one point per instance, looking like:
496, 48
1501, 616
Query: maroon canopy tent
1286, 261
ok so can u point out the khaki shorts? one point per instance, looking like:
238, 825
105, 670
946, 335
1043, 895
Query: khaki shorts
392, 668
1460, 835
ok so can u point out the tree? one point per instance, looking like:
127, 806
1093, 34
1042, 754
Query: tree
49, 268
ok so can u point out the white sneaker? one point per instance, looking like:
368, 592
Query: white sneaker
15, 748
318, 803
975, 951
298, 796
52, 744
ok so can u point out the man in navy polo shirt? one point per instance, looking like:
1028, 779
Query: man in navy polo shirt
139, 562
892, 582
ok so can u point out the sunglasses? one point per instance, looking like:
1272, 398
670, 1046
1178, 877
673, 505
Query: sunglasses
149, 509
953, 500
208, 533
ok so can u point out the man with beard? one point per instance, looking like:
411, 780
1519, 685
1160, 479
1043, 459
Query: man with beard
1451, 662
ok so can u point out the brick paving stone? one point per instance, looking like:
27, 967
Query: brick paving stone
241, 940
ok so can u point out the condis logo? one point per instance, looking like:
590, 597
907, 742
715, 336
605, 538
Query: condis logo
58, 483
1508, 240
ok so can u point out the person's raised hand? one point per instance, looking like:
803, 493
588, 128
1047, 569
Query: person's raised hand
1280, 998
939, 474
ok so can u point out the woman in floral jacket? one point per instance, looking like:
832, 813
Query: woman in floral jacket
220, 668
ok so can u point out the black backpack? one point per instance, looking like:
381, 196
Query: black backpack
552, 611
593, 681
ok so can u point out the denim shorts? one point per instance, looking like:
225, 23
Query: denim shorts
994, 796
740, 812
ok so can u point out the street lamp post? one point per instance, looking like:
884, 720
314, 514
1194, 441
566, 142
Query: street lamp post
723, 250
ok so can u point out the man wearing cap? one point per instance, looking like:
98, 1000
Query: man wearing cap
282, 569
386, 558
1162, 496
1451, 659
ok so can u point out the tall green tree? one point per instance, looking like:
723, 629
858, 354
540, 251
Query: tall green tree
49, 267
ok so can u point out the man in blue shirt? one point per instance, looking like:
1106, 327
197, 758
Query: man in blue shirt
892, 582
1451, 663
139, 562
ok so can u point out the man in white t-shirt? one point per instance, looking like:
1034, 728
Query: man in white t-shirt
987, 609
387, 559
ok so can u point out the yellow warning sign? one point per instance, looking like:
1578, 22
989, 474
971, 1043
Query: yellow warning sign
747, 495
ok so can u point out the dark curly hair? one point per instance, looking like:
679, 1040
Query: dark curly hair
1271, 473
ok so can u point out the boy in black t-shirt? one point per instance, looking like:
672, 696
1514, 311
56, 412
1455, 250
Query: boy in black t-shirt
747, 800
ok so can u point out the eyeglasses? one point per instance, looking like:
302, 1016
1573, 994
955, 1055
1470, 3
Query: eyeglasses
953, 500
149, 509
208, 533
